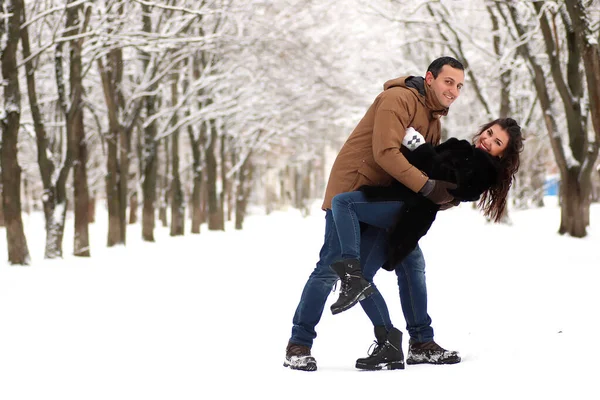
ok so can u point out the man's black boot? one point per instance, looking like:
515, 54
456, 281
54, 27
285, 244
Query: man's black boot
430, 353
387, 353
354, 286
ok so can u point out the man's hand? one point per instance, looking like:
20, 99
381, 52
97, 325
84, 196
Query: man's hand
437, 191
448, 205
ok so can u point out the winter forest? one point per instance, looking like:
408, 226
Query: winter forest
188, 113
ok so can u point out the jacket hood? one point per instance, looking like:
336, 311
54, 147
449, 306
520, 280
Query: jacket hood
425, 95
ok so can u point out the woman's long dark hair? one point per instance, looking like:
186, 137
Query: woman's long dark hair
493, 200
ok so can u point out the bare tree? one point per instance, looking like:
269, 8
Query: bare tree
121, 122
176, 191
150, 147
244, 178
2, 220
576, 157
18, 252
163, 186
215, 212
197, 139
587, 39
72, 107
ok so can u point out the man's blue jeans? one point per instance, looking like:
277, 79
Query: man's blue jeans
410, 273
411, 282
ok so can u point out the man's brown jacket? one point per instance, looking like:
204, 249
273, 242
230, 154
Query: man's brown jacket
372, 153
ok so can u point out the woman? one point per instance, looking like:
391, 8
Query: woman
482, 171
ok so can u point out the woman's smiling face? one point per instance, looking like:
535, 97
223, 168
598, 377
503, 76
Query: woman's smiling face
493, 140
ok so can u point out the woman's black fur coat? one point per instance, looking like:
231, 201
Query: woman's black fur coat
457, 161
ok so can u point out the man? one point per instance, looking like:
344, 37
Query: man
372, 156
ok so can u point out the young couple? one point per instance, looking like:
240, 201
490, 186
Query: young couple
385, 188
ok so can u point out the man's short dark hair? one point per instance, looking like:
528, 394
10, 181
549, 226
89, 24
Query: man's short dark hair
436, 66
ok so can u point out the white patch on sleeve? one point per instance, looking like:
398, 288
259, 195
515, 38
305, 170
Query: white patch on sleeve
412, 139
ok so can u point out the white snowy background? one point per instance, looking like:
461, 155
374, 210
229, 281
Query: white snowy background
208, 316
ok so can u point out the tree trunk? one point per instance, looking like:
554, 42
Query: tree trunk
133, 207
137, 192
232, 188
112, 179
57, 201
112, 185
196, 198
2, 221
119, 144
149, 178
124, 163
177, 198
196, 203
53, 188
164, 187
575, 206
18, 252
302, 191
244, 185
224, 181
149, 171
204, 198
197, 143
215, 213
81, 246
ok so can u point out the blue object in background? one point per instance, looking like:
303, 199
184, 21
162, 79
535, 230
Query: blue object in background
551, 185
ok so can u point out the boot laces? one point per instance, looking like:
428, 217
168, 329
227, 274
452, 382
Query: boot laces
374, 348
344, 285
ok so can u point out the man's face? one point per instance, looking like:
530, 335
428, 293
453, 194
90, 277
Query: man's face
446, 87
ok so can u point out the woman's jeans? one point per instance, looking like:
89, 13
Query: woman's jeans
351, 208
373, 254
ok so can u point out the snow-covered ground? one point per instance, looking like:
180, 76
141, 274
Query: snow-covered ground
208, 316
